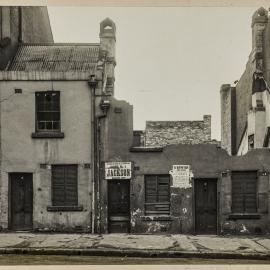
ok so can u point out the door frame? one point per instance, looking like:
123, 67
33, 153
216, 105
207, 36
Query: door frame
216, 179
129, 201
10, 201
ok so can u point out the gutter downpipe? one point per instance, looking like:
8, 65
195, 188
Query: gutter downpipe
93, 84
98, 168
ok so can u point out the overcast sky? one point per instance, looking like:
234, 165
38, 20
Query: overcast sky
171, 62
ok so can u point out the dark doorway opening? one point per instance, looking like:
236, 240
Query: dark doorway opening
119, 206
205, 206
21, 201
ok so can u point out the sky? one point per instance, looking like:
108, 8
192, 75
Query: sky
172, 61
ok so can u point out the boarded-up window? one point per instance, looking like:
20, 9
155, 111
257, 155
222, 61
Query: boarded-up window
157, 194
244, 190
48, 111
64, 185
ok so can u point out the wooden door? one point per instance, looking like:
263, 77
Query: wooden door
118, 206
21, 201
206, 206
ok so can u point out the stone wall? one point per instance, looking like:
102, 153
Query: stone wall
161, 133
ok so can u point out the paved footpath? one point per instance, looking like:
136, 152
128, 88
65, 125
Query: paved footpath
136, 245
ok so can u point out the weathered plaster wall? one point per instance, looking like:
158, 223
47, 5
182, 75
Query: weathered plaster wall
118, 130
181, 219
161, 133
243, 101
21, 153
116, 139
258, 160
206, 161
258, 121
36, 25
228, 130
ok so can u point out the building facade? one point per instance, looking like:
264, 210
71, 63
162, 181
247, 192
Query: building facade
71, 161
50, 99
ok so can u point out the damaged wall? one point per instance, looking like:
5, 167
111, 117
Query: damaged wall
206, 162
161, 133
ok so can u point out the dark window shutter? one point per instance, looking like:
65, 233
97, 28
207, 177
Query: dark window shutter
64, 185
157, 195
151, 189
244, 190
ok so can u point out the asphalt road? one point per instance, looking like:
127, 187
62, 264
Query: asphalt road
100, 260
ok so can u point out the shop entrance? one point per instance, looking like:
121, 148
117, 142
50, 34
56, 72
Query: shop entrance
119, 206
21, 201
206, 206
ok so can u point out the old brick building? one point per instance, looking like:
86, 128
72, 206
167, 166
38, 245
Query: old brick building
70, 160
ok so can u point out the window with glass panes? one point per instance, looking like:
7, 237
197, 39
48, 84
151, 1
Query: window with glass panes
48, 111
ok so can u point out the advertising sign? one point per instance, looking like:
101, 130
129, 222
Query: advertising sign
117, 170
181, 176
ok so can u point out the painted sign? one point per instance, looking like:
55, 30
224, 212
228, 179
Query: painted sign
181, 176
118, 170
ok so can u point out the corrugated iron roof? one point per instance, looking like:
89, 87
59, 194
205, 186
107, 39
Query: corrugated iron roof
55, 57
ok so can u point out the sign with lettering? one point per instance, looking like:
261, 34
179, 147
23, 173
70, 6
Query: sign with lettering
118, 170
181, 176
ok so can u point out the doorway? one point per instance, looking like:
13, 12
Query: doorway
21, 201
206, 206
119, 206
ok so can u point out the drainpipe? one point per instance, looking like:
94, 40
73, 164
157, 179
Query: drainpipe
104, 106
93, 84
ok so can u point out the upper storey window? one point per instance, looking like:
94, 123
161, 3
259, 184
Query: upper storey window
48, 111
48, 122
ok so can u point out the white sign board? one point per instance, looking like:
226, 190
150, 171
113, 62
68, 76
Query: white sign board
118, 170
181, 176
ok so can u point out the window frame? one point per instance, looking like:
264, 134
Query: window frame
233, 193
146, 212
37, 130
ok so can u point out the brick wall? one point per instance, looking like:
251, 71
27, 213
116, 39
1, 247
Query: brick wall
161, 133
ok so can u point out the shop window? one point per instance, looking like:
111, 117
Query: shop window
48, 111
64, 185
157, 195
244, 192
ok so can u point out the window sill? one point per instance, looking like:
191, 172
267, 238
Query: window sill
244, 216
156, 218
46, 135
64, 208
